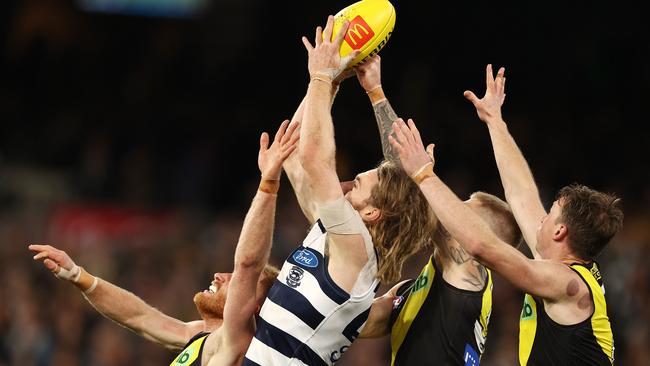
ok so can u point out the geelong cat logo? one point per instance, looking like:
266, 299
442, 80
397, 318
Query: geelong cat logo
295, 276
306, 258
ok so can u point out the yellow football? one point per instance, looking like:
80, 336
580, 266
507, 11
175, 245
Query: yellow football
371, 24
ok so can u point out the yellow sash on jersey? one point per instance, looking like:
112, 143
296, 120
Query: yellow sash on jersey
486, 311
599, 320
418, 295
190, 353
527, 329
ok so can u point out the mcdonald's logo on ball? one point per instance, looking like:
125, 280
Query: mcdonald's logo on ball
371, 25
359, 33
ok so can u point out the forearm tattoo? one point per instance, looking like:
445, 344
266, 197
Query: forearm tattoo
385, 116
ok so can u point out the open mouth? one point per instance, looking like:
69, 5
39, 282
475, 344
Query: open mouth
211, 290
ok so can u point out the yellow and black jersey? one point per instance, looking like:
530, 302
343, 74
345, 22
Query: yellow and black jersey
590, 342
191, 354
439, 324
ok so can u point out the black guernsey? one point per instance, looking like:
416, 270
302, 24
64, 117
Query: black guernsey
439, 324
542, 341
192, 352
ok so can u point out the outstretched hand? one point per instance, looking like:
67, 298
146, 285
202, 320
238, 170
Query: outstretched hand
408, 144
324, 57
489, 107
270, 158
55, 260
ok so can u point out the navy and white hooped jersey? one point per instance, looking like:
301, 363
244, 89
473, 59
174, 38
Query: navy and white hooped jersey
307, 319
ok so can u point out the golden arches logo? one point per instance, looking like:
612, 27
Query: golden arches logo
359, 33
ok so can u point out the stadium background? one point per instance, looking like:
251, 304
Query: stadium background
130, 141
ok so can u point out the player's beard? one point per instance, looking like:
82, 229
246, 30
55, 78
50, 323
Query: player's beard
210, 305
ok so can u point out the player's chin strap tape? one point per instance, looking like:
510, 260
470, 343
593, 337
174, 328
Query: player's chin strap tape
78, 275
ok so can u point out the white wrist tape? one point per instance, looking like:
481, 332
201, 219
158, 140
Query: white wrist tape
72, 274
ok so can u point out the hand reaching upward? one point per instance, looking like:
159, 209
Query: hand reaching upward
324, 57
270, 158
489, 107
408, 144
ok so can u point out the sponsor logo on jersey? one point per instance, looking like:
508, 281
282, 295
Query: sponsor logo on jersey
295, 276
470, 357
527, 312
420, 283
306, 258
595, 272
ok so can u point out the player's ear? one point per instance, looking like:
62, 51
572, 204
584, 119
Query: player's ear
371, 214
560, 232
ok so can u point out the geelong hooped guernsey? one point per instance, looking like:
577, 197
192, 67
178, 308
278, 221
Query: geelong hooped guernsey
307, 319
542, 341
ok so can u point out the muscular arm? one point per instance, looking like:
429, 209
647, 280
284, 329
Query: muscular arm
117, 304
548, 280
369, 76
251, 255
128, 310
518, 183
317, 148
295, 173
545, 279
385, 116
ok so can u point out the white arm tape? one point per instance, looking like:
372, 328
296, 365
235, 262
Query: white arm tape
339, 217
72, 274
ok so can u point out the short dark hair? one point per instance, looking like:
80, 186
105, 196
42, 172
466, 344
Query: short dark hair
592, 218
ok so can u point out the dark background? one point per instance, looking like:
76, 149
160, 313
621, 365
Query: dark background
159, 118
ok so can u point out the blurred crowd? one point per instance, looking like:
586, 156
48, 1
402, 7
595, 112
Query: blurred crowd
167, 256
131, 144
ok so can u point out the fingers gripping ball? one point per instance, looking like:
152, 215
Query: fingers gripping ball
371, 25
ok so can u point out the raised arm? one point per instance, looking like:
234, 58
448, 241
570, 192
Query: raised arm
545, 279
254, 246
317, 156
369, 76
518, 183
295, 172
117, 304
317, 148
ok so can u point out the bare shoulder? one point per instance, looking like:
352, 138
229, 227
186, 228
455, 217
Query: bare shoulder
575, 304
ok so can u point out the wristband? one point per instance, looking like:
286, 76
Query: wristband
426, 171
376, 94
373, 89
86, 282
269, 185
322, 77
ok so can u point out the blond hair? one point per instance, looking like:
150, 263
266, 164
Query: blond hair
406, 223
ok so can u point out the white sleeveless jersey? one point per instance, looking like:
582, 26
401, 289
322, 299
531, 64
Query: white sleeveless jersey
306, 318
